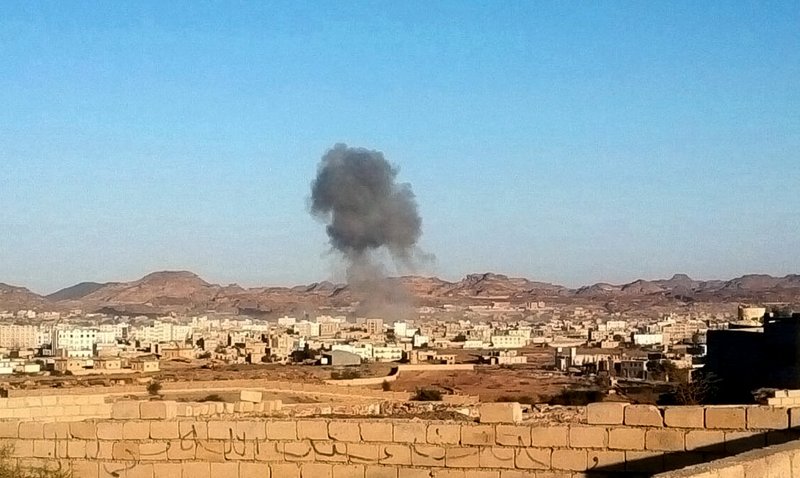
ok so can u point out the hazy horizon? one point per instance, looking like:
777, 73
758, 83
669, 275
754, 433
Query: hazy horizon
605, 143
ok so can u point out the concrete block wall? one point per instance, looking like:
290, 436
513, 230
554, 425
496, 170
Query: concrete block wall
55, 408
258, 384
770, 462
785, 398
150, 440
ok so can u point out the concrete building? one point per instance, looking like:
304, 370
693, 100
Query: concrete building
20, 336
374, 326
340, 358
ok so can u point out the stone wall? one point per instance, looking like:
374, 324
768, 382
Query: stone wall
221, 385
614, 438
55, 408
774, 461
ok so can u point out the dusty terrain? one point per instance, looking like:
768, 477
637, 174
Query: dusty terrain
532, 381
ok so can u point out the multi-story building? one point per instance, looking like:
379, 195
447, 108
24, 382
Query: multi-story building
74, 339
374, 326
20, 336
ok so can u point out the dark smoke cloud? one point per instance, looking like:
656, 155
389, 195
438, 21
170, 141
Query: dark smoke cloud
356, 194
366, 210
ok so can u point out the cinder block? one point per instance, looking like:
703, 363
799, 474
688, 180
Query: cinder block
626, 438
329, 451
76, 449
606, 461
605, 413
427, 455
135, 430
253, 470
125, 450
284, 470
225, 469
299, 451
363, 452
587, 437
168, 470
462, 457
164, 430
31, 430
153, 450
220, 430
109, 430
88, 469
252, 396
643, 415
395, 454
316, 470
569, 460
314, 429
546, 437
500, 412
532, 458
711, 441
251, 430
380, 472
410, 432
209, 450
477, 435
512, 435
344, 431
56, 430
684, 417
181, 450
414, 473
157, 410
445, 434
125, 410
44, 449
190, 429
767, 418
282, 430
665, 440
740, 442
497, 457
725, 417
348, 471
644, 462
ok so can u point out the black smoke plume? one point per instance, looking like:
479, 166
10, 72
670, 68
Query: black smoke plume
356, 194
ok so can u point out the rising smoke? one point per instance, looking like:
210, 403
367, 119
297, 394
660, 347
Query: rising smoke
366, 211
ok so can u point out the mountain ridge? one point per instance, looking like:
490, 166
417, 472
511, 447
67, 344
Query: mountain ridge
186, 291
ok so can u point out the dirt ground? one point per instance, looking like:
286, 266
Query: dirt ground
535, 380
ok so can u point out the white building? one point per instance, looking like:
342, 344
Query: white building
387, 353
74, 339
508, 341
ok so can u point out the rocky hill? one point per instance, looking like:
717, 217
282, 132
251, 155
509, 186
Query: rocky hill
183, 291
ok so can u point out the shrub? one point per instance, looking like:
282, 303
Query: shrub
212, 398
576, 397
346, 374
427, 395
386, 386
154, 387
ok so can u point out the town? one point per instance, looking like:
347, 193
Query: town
572, 347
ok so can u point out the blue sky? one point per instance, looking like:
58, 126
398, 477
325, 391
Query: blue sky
566, 142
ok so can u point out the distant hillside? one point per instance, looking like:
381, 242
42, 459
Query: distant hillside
75, 292
16, 298
184, 291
